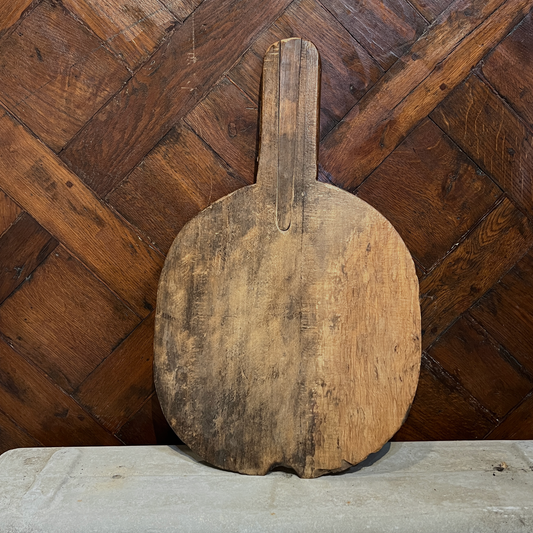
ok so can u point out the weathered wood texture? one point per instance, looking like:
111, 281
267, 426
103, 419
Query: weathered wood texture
106, 152
287, 321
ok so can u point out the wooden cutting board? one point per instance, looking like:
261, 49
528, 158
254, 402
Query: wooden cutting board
288, 322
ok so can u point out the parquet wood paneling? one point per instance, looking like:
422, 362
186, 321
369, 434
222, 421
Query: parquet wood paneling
385, 28
468, 354
514, 85
443, 410
492, 135
65, 320
227, 121
506, 311
56, 74
119, 123
432, 207
518, 425
178, 179
348, 71
489, 251
9, 211
132, 30
62, 204
186, 65
12, 436
23, 247
11, 12
417, 82
42, 409
430, 9
118, 388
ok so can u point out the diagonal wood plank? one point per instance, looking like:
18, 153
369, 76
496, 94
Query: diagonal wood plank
492, 248
431, 9
22, 248
13, 436
11, 12
385, 28
132, 29
492, 135
63, 205
415, 85
118, 388
9, 211
42, 409
83, 320
514, 84
165, 89
55, 74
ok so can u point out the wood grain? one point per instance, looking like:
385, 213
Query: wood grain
133, 29
96, 320
56, 74
228, 121
22, 248
47, 414
13, 436
432, 207
148, 426
385, 28
348, 71
515, 85
443, 410
9, 211
11, 12
518, 425
181, 8
469, 271
118, 388
467, 353
415, 85
174, 183
107, 149
506, 311
431, 9
275, 345
492, 135
62, 204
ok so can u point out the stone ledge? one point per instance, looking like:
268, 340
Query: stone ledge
410, 487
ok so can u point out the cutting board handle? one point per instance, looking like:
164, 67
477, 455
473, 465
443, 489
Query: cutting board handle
289, 124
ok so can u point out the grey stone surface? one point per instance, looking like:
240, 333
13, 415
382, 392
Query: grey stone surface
407, 487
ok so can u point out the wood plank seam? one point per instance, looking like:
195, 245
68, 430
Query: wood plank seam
55, 386
354, 35
27, 11
29, 276
467, 234
460, 388
118, 430
105, 42
114, 168
145, 319
337, 140
22, 429
505, 102
154, 256
507, 355
508, 415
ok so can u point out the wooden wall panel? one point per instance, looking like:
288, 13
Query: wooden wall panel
117, 126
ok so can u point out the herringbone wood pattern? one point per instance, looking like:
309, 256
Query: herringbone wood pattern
121, 121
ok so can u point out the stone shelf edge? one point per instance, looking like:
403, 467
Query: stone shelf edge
410, 487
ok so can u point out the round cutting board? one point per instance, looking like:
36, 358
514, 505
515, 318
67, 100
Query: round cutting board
287, 322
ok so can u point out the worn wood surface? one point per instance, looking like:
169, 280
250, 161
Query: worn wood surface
407, 97
287, 322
